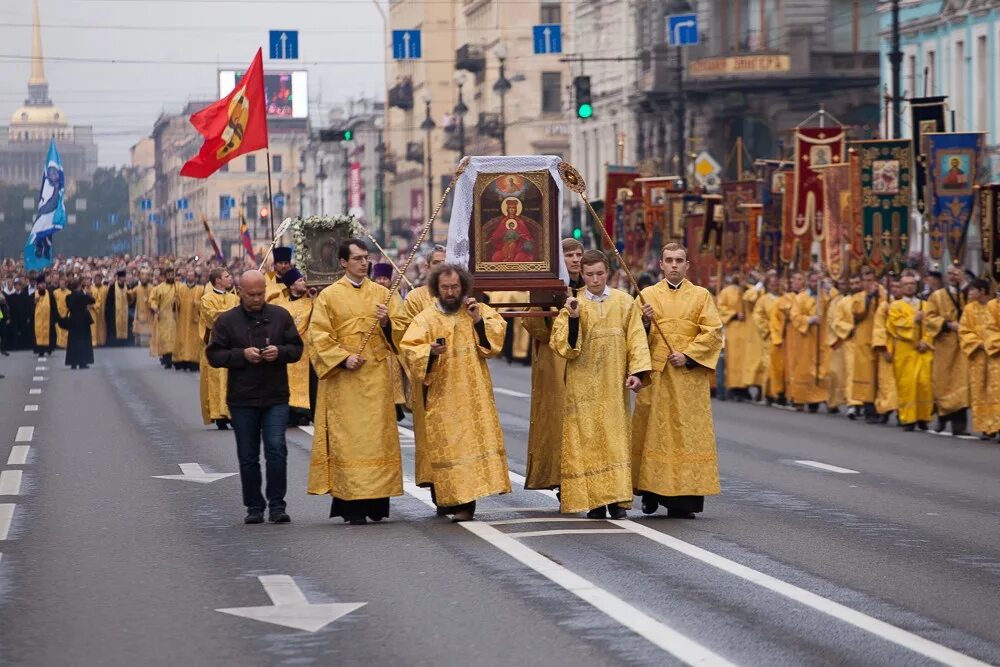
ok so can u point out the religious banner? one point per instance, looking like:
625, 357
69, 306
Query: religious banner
712, 227
755, 216
886, 170
838, 209
989, 215
736, 195
927, 115
774, 176
658, 195
794, 249
856, 235
953, 164
621, 185
703, 264
815, 147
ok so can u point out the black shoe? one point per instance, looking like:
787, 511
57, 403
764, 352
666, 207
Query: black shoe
400, 415
833, 411
939, 426
884, 419
617, 512
681, 514
598, 513
279, 516
254, 516
441, 511
358, 521
814, 407
959, 433
222, 424
5, 353
909, 427
649, 505
922, 425
84, 367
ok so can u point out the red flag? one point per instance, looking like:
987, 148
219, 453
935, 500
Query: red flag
234, 125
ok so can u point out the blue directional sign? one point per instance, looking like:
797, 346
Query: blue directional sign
406, 44
682, 29
284, 44
547, 38
279, 200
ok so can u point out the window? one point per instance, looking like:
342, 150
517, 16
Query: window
551, 92
251, 163
911, 76
551, 12
276, 163
251, 207
982, 85
959, 89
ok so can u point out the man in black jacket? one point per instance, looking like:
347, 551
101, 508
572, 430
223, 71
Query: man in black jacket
256, 341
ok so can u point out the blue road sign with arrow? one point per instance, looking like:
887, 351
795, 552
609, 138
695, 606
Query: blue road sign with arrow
284, 44
547, 38
682, 29
406, 44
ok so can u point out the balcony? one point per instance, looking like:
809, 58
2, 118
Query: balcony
415, 152
401, 95
489, 125
471, 58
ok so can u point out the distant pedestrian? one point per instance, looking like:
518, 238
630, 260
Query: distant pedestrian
256, 341
79, 343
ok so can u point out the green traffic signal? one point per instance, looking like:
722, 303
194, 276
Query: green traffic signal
577, 233
348, 135
584, 111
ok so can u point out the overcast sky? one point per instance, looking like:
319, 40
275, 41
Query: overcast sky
181, 44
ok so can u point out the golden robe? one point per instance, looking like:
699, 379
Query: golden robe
836, 364
187, 347
212, 381
811, 360
521, 344
548, 386
886, 398
355, 449
761, 317
743, 348
273, 287
781, 345
98, 329
62, 335
298, 373
43, 320
979, 333
164, 299
856, 342
459, 442
673, 438
911, 367
595, 466
950, 370
143, 323
122, 297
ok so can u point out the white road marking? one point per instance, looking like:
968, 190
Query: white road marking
659, 634
967, 437
41, 369
193, 472
34, 391
828, 468
24, 434
38, 378
18, 455
10, 483
31, 408
511, 392
567, 531
6, 517
513, 522
519, 479
290, 608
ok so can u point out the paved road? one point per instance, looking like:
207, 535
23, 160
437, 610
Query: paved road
886, 553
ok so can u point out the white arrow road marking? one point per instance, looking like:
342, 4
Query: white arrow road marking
10, 483
24, 434
827, 467
18, 455
290, 608
6, 516
193, 472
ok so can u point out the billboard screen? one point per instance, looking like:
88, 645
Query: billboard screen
287, 92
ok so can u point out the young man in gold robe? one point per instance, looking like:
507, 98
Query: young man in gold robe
601, 336
742, 341
771, 352
142, 326
212, 381
459, 443
301, 381
163, 304
886, 398
979, 332
808, 372
548, 373
45, 318
911, 356
674, 459
950, 369
355, 451
853, 323
781, 336
188, 344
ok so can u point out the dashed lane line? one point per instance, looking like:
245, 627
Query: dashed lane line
6, 517
24, 434
10, 483
31, 408
827, 467
34, 391
38, 378
18, 455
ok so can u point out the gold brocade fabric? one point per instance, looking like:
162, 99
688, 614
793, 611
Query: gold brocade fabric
743, 350
911, 367
62, 335
886, 398
143, 323
548, 386
950, 369
811, 361
856, 341
416, 300
459, 442
355, 449
164, 300
121, 311
595, 465
771, 362
781, 360
673, 439
97, 326
187, 345
836, 374
273, 288
395, 365
43, 315
521, 343
979, 333
298, 373
212, 381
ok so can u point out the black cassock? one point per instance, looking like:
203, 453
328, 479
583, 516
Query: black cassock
20, 332
79, 345
109, 320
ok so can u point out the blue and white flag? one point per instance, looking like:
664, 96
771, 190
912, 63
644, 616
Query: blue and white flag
51, 216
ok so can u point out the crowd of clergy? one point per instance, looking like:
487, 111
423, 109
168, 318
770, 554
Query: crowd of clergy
923, 346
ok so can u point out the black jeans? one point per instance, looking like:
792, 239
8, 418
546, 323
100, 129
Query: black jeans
251, 426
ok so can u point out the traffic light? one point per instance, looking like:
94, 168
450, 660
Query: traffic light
336, 135
575, 215
581, 89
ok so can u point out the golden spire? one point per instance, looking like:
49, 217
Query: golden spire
37, 67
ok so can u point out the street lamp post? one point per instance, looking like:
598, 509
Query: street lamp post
428, 126
460, 111
502, 86
321, 178
301, 188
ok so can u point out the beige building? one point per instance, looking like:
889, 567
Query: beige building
462, 44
